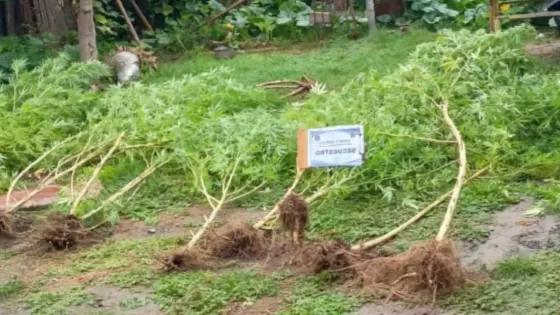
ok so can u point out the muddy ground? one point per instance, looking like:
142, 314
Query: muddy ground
511, 235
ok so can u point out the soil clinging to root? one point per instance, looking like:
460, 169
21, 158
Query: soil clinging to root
419, 274
193, 258
294, 215
63, 232
6, 225
236, 241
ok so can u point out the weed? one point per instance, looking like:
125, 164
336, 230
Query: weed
207, 293
11, 287
523, 286
57, 303
137, 276
311, 296
118, 255
516, 268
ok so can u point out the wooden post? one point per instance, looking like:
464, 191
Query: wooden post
495, 25
491, 15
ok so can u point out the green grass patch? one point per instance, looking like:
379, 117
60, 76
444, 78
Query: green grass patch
312, 296
359, 217
57, 303
522, 286
200, 293
10, 288
137, 276
335, 64
120, 254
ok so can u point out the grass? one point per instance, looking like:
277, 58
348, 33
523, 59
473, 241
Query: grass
334, 64
128, 255
12, 287
520, 286
57, 303
365, 218
207, 293
315, 296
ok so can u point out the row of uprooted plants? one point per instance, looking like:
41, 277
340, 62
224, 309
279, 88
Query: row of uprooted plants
477, 102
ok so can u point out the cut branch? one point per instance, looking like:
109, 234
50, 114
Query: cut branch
451, 208
141, 15
274, 210
96, 172
133, 183
30, 166
52, 179
128, 22
419, 138
384, 238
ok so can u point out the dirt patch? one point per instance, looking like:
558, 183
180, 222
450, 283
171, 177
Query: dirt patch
513, 235
263, 306
393, 308
548, 50
177, 225
134, 301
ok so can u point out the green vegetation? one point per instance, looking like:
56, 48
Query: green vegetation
522, 286
207, 293
199, 119
57, 303
11, 287
313, 296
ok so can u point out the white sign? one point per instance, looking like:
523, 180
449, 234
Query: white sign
335, 146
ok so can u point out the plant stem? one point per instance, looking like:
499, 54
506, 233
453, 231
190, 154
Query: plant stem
274, 210
419, 138
52, 180
30, 166
451, 208
147, 172
96, 172
384, 238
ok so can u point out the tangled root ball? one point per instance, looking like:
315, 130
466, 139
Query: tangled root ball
236, 241
63, 232
294, 215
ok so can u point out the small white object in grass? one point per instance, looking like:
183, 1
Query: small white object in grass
540, 36
127, 66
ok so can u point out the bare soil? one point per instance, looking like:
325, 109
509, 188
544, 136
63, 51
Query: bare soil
512, 235
394, 308
548, 51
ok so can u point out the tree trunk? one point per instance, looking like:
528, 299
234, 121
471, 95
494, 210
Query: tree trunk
86, 31
11, 14
370, 12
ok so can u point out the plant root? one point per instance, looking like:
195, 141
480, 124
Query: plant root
298, 87
6, 225
185, 260
419, 274
237, 241
64, 232
294, 216
333, 256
